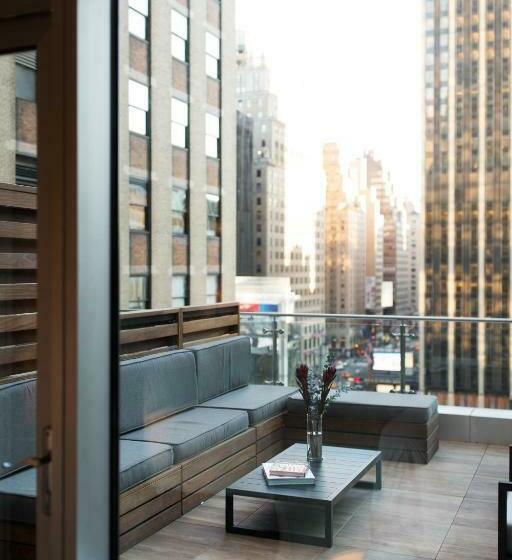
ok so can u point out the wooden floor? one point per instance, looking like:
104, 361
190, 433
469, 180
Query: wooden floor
445, 510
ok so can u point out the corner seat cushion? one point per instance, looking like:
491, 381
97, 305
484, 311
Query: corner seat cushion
139, 460
156, 386
259, 401
382, 407
222, 366
193, 431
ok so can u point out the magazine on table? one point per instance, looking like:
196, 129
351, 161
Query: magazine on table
296, 475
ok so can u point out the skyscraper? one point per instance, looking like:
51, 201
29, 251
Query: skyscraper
467, 197
177, 162
256, 101
345, 248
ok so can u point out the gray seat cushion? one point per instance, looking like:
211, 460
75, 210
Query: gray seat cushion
18, 497
17, 422
194, 430
139, 460
222, 366
156, 386
382, 407
259, 401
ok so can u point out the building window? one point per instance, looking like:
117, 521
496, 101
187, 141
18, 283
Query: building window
179, 124
139, 292
179, 290
213, 215
138, 101
25, 83
212, 48
138, 18
212, 127
179, 36
212, 288
179, 211
138, 206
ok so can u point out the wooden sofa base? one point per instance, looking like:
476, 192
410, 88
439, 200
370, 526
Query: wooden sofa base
153, 504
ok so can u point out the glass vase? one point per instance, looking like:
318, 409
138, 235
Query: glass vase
314, 439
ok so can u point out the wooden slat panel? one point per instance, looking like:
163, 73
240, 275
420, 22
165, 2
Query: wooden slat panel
149, 527
18, 353
204, 460
13, 196
268, 426
18, 377
217, 470
18, 261
199, 325
22, 322
216, 486
270, 439
150, 489
20, 291
148, 333
271, 451
149, 509
18, 230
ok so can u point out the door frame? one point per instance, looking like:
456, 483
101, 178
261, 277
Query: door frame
77, 305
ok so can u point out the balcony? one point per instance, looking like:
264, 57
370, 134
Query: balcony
446, 510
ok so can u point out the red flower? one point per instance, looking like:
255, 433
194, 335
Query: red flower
329, 375
302, 372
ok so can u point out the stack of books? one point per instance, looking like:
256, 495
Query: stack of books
283, 474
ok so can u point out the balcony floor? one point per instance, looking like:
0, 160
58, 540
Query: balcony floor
445, 510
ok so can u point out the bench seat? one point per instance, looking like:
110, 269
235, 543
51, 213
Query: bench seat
382, 407
193, 431
259, 401
403, 427
139, 461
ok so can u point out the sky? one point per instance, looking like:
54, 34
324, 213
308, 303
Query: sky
345, 71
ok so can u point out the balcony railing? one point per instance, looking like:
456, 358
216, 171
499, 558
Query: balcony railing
462, 360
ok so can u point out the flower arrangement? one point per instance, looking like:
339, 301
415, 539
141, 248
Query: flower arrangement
315, 387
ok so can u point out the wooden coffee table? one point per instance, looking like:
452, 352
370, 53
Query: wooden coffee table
341, 469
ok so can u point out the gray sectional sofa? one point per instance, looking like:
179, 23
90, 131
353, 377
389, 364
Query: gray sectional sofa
190, 424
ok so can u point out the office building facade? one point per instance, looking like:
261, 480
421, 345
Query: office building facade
257, 102
467, 199
177, 136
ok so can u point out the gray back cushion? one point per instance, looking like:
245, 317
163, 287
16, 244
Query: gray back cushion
17, 423
156, 386
222, 366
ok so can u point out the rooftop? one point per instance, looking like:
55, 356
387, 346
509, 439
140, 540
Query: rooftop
445, 510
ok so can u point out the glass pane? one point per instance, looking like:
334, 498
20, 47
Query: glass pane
178, 48
212, 45
138, 292
137, 24
139, 5
212, 66
138, 194
179, 24
211, 146
178, 223
138, 95
18, 304
137, 217
178, 135
178, 286
179, 200
179, 111
212, 125
137, 120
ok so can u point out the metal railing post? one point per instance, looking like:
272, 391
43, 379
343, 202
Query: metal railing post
275, 365
402, 357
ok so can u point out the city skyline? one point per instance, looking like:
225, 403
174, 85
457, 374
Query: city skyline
357, 108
